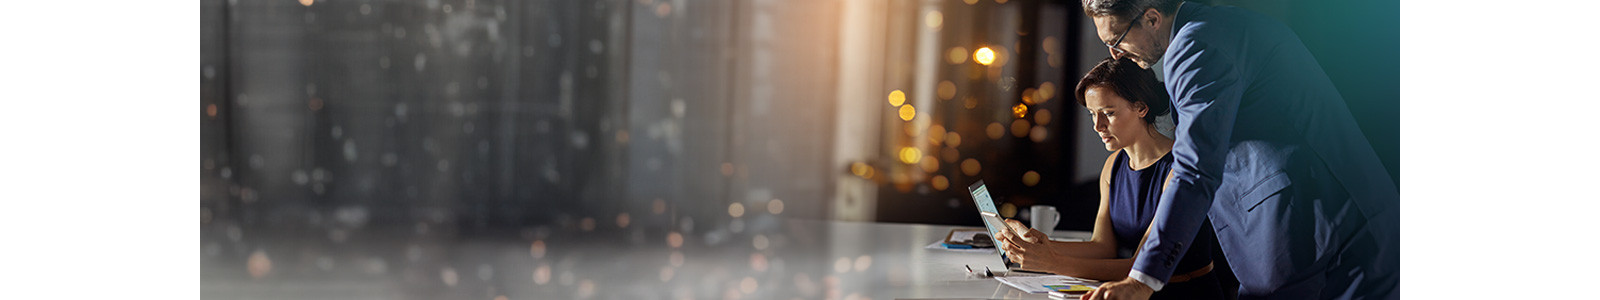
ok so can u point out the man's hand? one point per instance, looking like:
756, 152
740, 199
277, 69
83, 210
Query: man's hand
1031, 250
1127, 288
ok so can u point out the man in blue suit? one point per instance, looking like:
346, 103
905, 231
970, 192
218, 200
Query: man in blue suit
1266, 148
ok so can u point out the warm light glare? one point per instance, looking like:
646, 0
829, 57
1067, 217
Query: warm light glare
910, 155
1020, 128
995, 130
1046, 92
934, 19
952, 139
1042, 117
970, 167
940, 182
1020, 110
1031, 178
896, 98
306, 2
958, 55
775, 207
907, 112
674, 239
946, 90
983, 56
736, 210
930, 164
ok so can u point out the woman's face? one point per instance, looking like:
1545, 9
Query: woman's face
1116, 119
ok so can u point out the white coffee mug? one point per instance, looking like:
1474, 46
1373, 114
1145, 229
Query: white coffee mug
1045, 218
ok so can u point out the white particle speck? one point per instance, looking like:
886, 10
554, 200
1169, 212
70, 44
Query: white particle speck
227, 172
413, 253
325, 263
447, 8
311, 89
554, 40
679, 108
443, 165
400, 111
400, 32
466, 128
580, 140
350, 150
256, 161
337, 131
299, 177
448, 275
389, 159
421, 62
377, 266
366, 9
383, 62
483, 82
485, 272
209, 72
596, 46
319, 175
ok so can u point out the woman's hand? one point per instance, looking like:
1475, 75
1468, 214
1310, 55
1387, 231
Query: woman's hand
1032, 249
1127, 288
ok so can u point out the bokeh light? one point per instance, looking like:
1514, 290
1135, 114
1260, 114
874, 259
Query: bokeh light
1031, 178
1047, 91
946, 90
910, 155
674, 239
775, 206
995, 130
736, 209
1020, 127
934, 19
907, 112
939, 182
983, 56
896, 98
1019, 110
957, 55
538, 249
971, 167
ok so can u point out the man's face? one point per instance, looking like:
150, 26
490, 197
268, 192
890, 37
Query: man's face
1139, 45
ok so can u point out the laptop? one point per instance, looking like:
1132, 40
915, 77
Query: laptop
993, 221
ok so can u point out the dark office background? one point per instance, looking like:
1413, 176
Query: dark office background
330, 121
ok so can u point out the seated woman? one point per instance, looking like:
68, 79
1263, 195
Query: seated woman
1124, 101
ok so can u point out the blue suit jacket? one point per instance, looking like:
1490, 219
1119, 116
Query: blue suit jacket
1254, 107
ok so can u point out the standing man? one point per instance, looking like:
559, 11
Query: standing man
1265, 146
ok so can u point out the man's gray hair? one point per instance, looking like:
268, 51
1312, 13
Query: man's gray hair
1124, 9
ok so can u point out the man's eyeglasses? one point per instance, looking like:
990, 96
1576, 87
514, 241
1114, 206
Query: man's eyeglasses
1113, 45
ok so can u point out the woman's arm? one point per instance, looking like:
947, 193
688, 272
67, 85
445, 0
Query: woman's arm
1103, 245
1104, 242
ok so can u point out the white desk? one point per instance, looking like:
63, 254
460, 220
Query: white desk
801, 259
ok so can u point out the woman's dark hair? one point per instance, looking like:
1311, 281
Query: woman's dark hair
1131, 82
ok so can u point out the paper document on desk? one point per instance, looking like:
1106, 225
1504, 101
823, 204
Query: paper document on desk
1043, 283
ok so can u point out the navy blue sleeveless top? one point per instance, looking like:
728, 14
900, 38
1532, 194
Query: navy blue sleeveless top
1134, 195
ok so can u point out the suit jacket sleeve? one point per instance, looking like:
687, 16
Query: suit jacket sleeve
1206, 90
